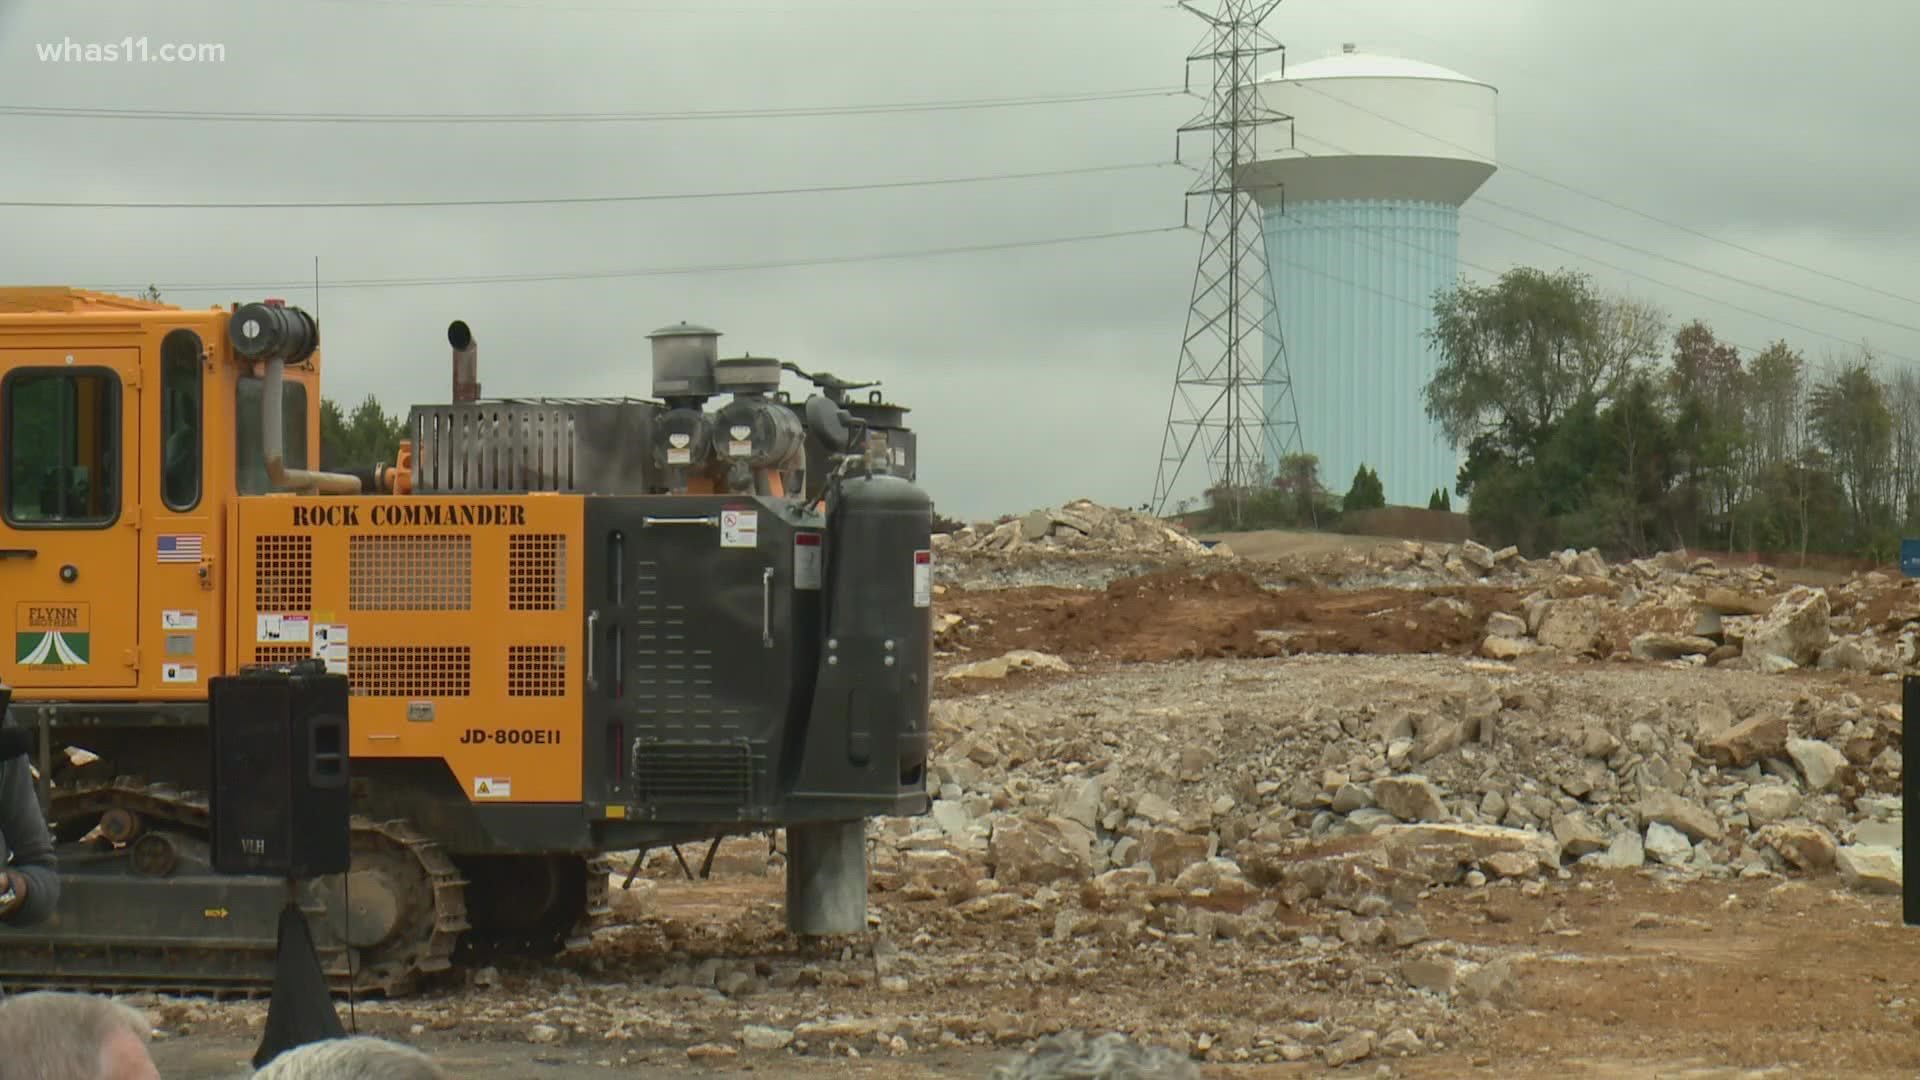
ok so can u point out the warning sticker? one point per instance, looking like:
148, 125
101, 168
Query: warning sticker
806, 560
492, 787
741, 445
739, 528
281, 628
179, 620
179, 673
678, 452
330, 645
923, 578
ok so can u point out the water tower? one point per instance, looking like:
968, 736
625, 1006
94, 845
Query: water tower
1362, 220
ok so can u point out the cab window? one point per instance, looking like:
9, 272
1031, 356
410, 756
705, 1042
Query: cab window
250, 465
180, 412
62, 447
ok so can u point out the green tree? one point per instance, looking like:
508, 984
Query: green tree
1517, 355
1850, 419
1641, 456
1440, 500
1365, 493
1708, 388
1774, 391
1796, 505
364, 438
1774, 405
1308, 502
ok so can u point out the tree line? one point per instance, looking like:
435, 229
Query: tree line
365, 437
1588, 421
1592, 419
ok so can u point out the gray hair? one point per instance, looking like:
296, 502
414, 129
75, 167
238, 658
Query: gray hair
1113, 1056
60, 1036
358, 1058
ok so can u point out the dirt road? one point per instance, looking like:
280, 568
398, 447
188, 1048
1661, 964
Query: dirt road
1287, 543
227, 1057
1619, 975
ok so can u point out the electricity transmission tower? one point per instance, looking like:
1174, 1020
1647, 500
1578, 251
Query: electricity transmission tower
1232, 406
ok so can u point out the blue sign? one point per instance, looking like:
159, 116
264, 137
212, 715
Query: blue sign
1910, 558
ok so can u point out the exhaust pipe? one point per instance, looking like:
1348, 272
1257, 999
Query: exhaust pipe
466, 363
275, 333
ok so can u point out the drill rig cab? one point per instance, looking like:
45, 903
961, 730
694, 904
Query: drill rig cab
570, 627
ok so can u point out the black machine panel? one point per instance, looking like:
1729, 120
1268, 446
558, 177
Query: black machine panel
867, 720
278, 790
710, 632
701, 645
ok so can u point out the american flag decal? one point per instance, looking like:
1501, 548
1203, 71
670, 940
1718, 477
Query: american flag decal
179, 549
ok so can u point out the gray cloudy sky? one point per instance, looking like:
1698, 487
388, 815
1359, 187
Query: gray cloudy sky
1035, 375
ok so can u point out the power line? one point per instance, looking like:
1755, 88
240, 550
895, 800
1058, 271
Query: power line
85, 112
1695, 266
863, 10
664, 271
1543, 178
1397, 298
569, 200
1577, 254
1677, 288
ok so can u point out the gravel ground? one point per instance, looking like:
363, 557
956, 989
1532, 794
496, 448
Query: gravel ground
980, 946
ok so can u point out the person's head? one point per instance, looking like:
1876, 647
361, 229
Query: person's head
1072, 1056
358, 1058
48, 1036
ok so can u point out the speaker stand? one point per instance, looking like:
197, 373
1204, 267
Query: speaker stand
300, 1010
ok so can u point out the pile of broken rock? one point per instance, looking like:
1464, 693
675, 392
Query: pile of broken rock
1482, 782
1079, 526
1699, 621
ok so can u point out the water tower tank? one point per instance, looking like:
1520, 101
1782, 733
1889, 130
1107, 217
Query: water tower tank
1362, 218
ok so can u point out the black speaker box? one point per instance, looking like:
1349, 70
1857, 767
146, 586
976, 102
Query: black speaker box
278, 795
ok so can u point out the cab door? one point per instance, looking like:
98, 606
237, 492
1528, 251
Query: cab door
69, 517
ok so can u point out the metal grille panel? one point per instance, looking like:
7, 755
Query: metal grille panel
283, 573
497, 447
673, 676
537, 572
536, 671
428, 572
412, 671
669, 772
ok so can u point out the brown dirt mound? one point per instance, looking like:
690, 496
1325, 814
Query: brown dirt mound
1173, 615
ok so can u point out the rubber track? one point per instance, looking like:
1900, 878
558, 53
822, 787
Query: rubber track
160, 803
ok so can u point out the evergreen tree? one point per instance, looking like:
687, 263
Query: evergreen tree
1366, 492
365, 438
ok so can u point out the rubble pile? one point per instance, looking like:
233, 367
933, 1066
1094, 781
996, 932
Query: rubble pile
1204, 802
1085, 545
1079, 526
1708, 616
1229, 789
1669, 609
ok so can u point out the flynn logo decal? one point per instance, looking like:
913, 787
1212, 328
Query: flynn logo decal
407, 516
54, 636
